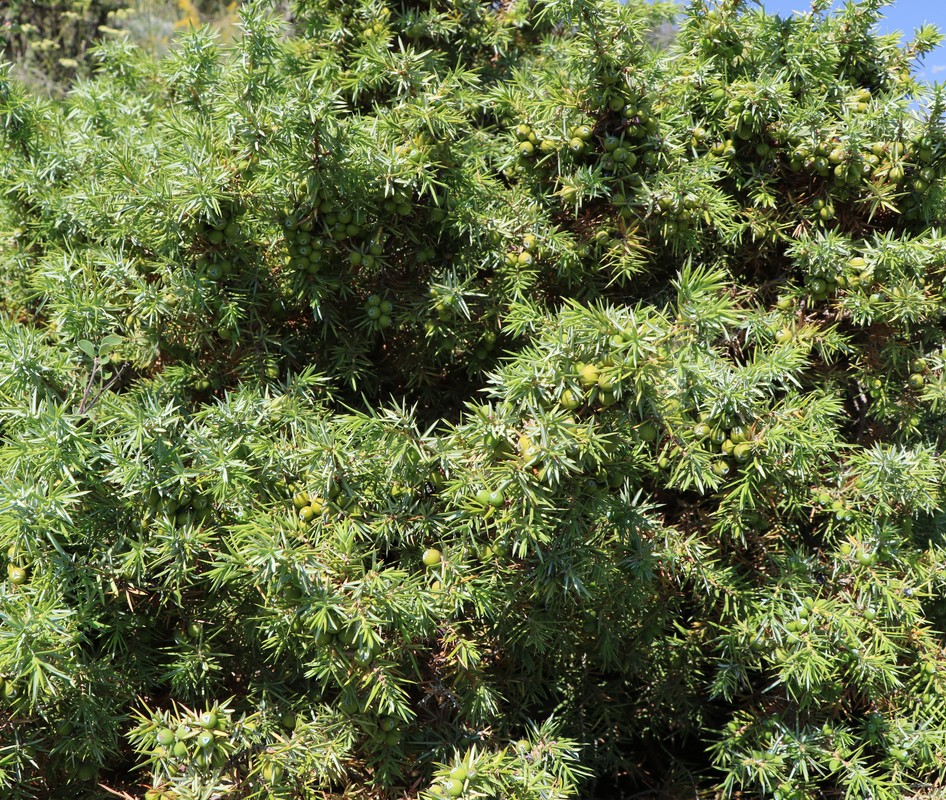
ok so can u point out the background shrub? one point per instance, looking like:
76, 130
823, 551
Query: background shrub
47, 40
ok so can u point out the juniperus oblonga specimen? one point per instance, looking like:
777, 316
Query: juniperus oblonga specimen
459, 399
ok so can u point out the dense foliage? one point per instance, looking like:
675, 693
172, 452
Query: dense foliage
468, 399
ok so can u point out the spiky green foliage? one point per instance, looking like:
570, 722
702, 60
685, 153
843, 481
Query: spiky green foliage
467, 399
